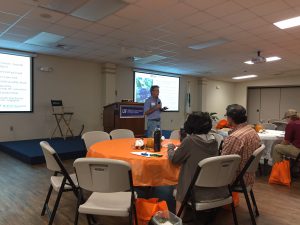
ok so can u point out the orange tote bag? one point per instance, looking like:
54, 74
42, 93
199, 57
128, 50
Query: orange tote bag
146, 208
281, 173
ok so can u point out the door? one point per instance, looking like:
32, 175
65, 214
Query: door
289, 99
253, 105
270, 101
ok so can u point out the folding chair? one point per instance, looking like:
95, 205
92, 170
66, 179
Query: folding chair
240, 186
269, 126
110, 182
294, 161
61, 117
175, 134
61, 181
121, 133
93, 137
218, 171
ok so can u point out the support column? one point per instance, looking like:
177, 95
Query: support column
109, 89
202, 86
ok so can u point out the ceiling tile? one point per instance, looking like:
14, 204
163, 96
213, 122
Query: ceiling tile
3, 27
198, 18
84, 36
155, 5
202, 5
115, 21
224, 9
241, 16
13, 7
179, 10
61, 30
45, 15
267, 8
132, 12
73, 22
8, 18
214, 25
98, 28
38, 25
248, 4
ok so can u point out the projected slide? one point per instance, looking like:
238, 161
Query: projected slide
168, 88
15, 83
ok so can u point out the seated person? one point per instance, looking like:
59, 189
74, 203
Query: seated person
291, 144
242, 140
200, 144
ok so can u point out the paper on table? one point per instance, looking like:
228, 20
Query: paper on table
145, 154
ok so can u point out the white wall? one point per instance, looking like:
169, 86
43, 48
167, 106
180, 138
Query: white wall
241, 88
78, 83
219, 94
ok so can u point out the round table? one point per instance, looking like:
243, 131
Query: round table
268, 137
146, 171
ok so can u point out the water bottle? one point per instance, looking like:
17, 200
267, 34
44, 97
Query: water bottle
157, 137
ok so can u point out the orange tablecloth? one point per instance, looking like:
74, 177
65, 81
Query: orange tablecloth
152, 171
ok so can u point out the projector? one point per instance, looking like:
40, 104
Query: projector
258, 59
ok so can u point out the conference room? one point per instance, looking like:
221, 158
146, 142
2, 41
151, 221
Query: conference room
70, 67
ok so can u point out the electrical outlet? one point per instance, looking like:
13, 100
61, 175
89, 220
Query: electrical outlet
11, 128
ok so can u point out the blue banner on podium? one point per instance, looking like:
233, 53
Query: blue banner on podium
131, 111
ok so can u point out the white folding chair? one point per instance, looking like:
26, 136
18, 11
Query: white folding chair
60, 182
269, 126
93, 137
121, 133
280, 125
110, 182
175, 134
240, 186
218, 171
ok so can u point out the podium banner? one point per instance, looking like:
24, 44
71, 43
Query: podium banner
131, 111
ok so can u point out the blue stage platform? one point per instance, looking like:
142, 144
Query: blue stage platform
29, 151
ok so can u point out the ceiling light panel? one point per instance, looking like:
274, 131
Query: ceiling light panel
272, 58
284, 24
208, 44
44, 39
244, 77
95, 10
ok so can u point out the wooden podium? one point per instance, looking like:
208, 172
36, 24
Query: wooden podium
124, 115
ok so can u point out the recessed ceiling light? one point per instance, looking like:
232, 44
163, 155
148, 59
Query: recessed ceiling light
249, 62
292, 22
244, 77
272, 58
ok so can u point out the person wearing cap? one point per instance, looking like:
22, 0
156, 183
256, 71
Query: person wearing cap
152, 109
290, 146
242, 140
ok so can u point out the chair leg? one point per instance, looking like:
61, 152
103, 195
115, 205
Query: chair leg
88, 217
77, 207
254, 202
234, 214
249, 204
56, 205
47, 200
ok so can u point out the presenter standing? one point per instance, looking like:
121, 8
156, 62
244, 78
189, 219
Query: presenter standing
152, 109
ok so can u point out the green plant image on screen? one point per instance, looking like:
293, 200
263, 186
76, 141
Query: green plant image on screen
143, 86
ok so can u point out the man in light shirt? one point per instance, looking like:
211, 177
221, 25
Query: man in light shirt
152, 109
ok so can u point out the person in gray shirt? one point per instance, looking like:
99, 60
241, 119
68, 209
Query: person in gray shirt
200, 144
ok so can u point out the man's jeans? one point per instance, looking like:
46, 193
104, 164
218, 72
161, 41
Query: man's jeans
151, 125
